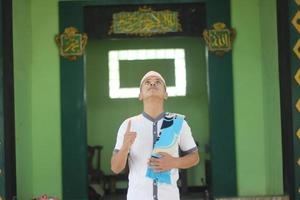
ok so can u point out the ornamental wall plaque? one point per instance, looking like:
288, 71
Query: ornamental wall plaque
71, 43
145, 22
219, 39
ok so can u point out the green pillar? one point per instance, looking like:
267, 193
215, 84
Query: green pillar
294, 52
2, 153
7, 139
73, 112
221, 111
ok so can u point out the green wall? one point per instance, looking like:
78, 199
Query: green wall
257, 106
271, 102
22, 75
37, 107
105, 115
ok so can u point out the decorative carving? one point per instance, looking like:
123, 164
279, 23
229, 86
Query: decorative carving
295, 21
219, 39
145, 22
298, 105
71, 43
297, 76
298, 133
296, 49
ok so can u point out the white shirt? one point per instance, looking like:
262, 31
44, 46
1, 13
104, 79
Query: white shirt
147, 129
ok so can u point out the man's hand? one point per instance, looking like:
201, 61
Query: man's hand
167, 162
129, 137
119, 159
164, 163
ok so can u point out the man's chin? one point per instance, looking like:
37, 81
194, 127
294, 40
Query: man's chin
154, 96
152, 89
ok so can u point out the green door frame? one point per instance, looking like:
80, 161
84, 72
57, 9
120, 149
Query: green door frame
73, 104
2, 155
290, 60
7, 122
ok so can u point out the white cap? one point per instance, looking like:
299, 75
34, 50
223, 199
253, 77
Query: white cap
152, 73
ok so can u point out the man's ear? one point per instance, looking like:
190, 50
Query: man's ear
140, 97
166, 96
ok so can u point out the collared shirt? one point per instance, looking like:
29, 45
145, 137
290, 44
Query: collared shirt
148, 129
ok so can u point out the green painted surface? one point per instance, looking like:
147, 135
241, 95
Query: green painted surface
46, 138
105, 115
2, 153
36, 71
165, 66
295, 92
271, 97
73, 114
221, 110
256, 97
247, 64
120, 2
22, 83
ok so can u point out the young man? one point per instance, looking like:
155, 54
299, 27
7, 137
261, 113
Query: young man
150, 142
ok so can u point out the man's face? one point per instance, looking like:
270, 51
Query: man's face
153, 86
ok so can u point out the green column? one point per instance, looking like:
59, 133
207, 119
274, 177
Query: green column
222, 132
294, 31
256, 98
73, 112
2, 153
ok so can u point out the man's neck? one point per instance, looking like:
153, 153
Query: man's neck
153, 107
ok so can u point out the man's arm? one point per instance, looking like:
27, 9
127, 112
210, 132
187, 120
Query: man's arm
167, 162
187, 161
119, 159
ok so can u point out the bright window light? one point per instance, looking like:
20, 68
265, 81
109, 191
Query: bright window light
115, 91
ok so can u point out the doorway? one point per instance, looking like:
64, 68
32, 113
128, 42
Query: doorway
74, 110
105, 113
